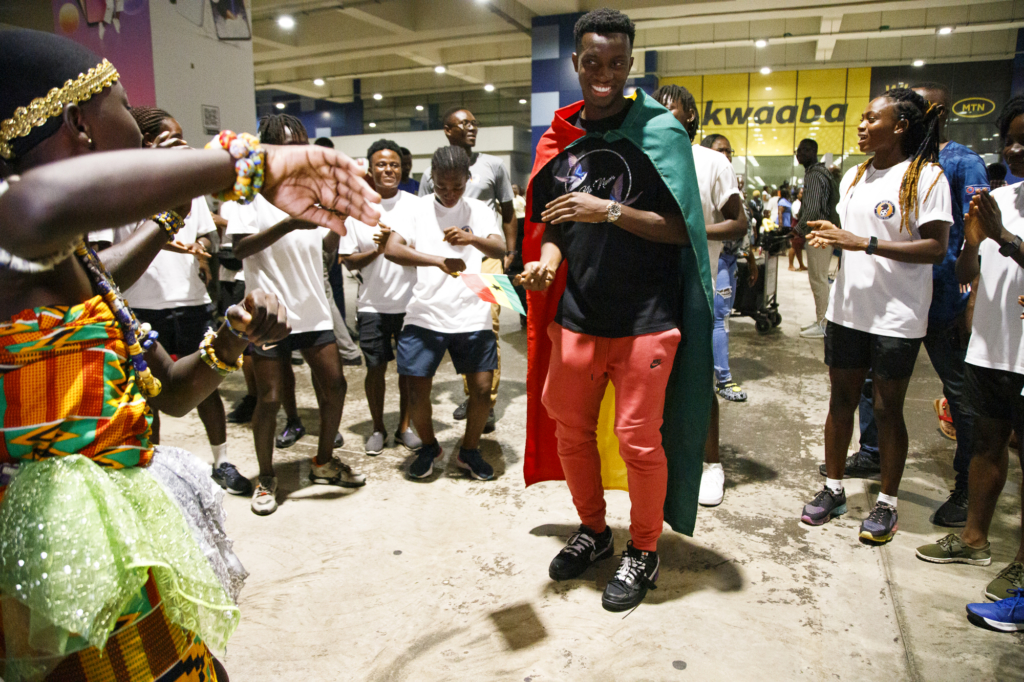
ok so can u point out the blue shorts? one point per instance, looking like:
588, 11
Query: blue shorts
420, 351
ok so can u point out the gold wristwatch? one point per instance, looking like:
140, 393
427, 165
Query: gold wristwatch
614, 212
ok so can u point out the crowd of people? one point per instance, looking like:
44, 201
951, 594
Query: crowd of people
99, 198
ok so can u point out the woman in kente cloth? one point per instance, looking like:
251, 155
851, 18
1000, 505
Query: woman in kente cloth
113, 560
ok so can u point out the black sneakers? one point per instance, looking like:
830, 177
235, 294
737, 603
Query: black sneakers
858, 465
953, 512
460, 412
584, 548
637, 572
471, 461
227, 477
423, 465
242, 412
293, 431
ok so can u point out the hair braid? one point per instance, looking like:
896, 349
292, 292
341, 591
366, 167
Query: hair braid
149, 119
272, 129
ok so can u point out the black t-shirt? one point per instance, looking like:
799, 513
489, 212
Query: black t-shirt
618, 284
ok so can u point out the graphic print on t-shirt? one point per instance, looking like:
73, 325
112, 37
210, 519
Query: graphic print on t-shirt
885, 210
594, 171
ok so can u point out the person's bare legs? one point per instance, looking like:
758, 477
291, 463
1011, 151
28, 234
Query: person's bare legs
479, 384
711, 452
270, 378
892, 430
403, 404
420, 409
986, 479
374, 385
800, 258
211, 413
291, 410
330, 387
842, 403
249, 372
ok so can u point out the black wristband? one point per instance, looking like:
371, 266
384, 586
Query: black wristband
1011, 247
872, 245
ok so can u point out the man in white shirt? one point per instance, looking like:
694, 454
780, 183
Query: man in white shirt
384, 291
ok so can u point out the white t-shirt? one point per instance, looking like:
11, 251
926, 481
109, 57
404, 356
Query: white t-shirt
385, 287
997, 333
292, 267
796, 209
716, 181
875, 294
440, 302
773, 206
172, 279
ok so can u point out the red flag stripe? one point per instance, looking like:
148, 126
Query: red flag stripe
480, 288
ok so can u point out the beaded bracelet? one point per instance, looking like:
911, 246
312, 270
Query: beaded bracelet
170, 221
208, 355
249, 165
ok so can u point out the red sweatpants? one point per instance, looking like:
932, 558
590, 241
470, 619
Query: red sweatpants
639, 368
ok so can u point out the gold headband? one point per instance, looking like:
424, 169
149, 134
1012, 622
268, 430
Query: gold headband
43, 108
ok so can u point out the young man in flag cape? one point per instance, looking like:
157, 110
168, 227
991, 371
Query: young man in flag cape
614, 195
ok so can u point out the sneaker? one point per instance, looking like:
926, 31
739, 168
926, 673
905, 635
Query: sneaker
808, 326
227, 477
408, 439
585, 547
491, 420
471, 461
858, 465
264, 498
427, 456
297, 358
730, 390
1009, 579
460, 412
712, 485
637, 572
881, 524
335, 472
1006, 614
815, 332
824, 506
339, 440
357, 361
375, 443
241, 413
293, 431
953, 512
953, 550
946, 427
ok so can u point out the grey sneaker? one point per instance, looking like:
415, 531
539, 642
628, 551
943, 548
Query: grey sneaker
264, 499
1010, 578
375, 443
816, 331
953, 550
460, 412
335, 472
408, 439
824, 506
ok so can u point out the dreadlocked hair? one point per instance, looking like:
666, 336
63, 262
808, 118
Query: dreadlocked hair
272, 129
1011, 110
920, 142
450, 159
149, 119
668, 94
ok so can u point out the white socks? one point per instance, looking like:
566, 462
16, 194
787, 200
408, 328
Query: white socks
887, 499
834, 484
220, 454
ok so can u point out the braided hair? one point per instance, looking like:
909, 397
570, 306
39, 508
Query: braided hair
272, 129
668, 94
1011, 110
920, 143
149, 120
450, 159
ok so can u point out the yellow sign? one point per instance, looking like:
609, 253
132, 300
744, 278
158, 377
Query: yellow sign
974, 107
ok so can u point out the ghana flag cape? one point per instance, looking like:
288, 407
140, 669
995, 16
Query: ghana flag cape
663, 140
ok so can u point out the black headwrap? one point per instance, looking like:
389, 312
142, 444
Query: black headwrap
32, 64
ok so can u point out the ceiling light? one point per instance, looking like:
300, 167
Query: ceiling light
489, 88
918, 62
319, 82
372, 124
945, 30
279, 105
760, 43
419, 107
439, 68
522, 101
765, 70
377, 96
286, 22
768, 88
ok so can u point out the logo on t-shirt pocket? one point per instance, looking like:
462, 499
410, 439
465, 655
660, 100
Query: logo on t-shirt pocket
885, 209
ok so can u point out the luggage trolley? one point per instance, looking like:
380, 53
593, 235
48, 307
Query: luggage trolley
760, 302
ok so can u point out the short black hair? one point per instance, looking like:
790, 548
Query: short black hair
450, 159
710, 140
672, 93
382, 144
451, 112
406, 152
272, 128
604, 21
324, 142
934, 85
1011, 110
996, 171
813, 144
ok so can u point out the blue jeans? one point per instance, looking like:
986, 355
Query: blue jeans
725, 292
947, 353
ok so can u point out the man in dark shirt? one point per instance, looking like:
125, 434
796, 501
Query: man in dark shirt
821, 195
610, 216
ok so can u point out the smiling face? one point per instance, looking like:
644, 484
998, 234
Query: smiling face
603, 65
880, 129
449, 187
722, 146
1013, 146
386, 168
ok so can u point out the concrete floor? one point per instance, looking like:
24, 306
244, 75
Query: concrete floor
447, 579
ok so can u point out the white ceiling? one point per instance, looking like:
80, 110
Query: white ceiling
392, 46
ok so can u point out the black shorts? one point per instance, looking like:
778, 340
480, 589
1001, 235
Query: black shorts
295, 341
994, 394
180, 330
888, 357
420, 351
377, 333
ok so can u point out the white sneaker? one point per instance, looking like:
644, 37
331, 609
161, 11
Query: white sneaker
335, 472
815, 332
264, 498
712, 485
807, 326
